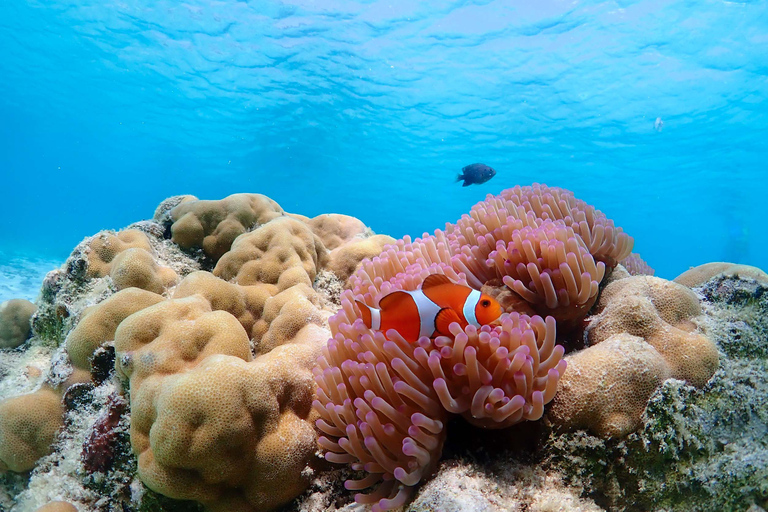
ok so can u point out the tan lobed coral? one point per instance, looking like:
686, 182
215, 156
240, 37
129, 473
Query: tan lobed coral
697, 276
286, 314
606, 387
98, 323
128, 258
284, 251
631, 311
214, 225
137, 268
15, 317
335, 230
104, 246
28, 426
219, 376
246, 303
209, 423
345, 259
660, 312
348, 240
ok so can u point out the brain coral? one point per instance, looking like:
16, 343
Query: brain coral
647, 321
28, 426
15, 326
214, 225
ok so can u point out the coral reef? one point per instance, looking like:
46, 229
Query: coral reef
212, 390
697, 449
57, 506
98, 323
384, 402
173, 367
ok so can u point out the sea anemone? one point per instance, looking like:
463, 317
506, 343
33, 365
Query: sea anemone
383, 402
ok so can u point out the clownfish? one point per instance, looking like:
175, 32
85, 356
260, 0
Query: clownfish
430, 310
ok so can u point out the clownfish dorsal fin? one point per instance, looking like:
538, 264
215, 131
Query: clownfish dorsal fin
435, 280
444, 318
388, 301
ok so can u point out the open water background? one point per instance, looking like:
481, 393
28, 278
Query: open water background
371, 108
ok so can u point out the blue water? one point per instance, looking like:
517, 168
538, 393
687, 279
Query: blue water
371, 108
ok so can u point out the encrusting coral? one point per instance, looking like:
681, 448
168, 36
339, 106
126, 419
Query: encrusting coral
15, 318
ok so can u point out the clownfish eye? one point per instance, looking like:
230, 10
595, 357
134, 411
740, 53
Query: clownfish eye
485, 303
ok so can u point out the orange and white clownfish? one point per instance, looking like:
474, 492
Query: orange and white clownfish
430, 310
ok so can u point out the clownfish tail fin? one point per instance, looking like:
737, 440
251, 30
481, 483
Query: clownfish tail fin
365, 312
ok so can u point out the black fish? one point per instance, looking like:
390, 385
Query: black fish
476, 173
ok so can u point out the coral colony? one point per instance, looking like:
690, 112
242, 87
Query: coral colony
208, 353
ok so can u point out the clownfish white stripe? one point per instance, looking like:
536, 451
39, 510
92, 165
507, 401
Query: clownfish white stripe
428, 311
375, 318
469, 307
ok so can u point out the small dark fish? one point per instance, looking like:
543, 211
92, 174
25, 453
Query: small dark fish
475, 174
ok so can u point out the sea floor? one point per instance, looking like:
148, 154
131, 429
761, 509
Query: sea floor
22, 274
